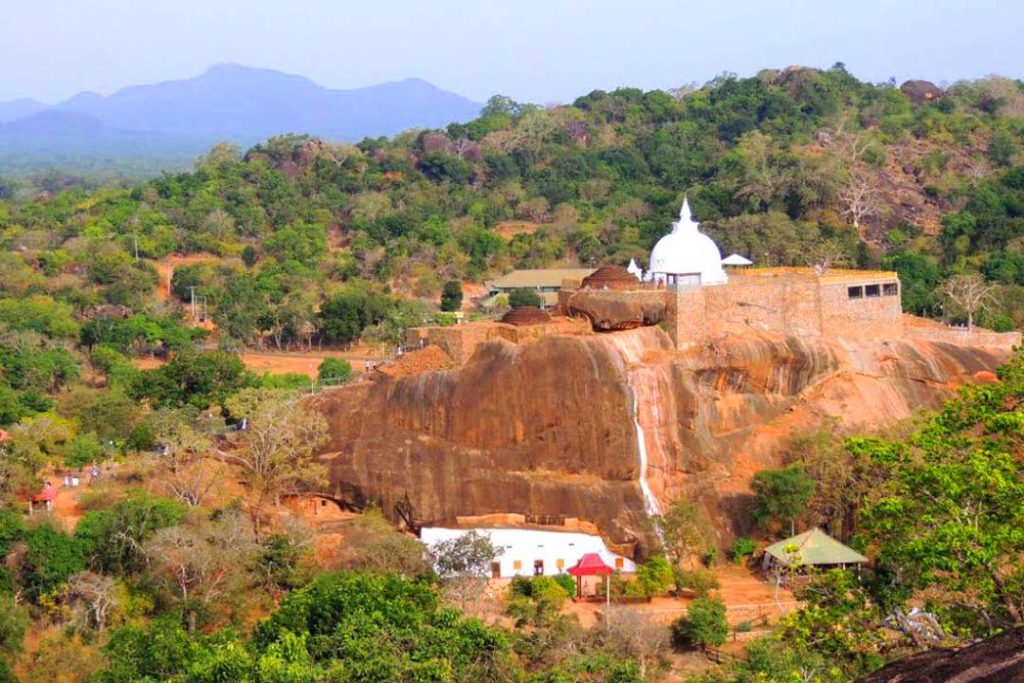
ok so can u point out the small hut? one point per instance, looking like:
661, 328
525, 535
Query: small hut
590, 564
812, 548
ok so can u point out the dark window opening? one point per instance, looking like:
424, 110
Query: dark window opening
873, 290
890, 289
538, 567
855, 292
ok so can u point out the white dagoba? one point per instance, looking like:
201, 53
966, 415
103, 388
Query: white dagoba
635, 270
686, 255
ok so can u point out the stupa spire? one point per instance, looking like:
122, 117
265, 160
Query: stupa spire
685, 222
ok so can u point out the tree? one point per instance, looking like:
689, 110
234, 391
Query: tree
201, 561
99, 594
182, 449
451, 296
276, 453
631, 634
464, 563
685, 530
372, 544
334, 371
703, 625
968, 295
518, 298
536, 601
781, 495
861, 197
113, 538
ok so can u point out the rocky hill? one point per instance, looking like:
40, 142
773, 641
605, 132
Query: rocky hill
547, 428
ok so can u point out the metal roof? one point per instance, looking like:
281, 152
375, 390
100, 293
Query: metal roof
814, 547
544, 277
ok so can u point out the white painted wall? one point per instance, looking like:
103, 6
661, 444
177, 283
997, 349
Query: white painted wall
526, 546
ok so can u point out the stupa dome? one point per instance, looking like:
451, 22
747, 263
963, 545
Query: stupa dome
526, 315
687, 251
610, 277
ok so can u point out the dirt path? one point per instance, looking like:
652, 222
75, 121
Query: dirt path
282, 362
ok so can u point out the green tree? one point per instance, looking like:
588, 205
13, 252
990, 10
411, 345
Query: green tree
518, 298
685, 530
334, 371
703, 625
782, 495
451, 296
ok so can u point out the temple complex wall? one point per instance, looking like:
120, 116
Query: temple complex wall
461, 341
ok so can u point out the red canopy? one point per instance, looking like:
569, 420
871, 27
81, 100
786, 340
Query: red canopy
590, 564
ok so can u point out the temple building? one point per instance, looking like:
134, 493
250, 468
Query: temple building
534, 552
686, 257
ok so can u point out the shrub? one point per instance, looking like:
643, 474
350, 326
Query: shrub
653, 577
568, 583
52, 558
700, 581
83, 449
334, 370
741, 547
703, 625
519, 298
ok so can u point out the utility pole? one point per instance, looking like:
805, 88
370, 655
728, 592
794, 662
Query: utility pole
135, 239
192, 291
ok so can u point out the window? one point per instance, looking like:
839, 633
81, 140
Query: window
873, 290
517, 564
855, 292
619, 563
538, 567
890, 289
560, 563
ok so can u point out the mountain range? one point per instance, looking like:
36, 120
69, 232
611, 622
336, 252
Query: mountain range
182, 118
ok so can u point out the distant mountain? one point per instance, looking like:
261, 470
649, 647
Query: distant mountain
248, 105
227, 103
59, 135
19, 109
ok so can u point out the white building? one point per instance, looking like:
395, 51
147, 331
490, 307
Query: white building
533, 552
686, 257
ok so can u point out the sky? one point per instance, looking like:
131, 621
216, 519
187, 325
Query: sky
541, 51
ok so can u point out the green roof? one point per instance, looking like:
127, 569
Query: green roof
812, 548
543, 277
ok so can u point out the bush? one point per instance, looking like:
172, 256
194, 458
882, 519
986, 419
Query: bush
83, 449
335, 371
519, 298
113, 538
568, 583
653, 577
741, 547
700, 581
703, 625
52, 558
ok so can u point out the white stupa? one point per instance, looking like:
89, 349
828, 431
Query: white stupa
635, 270
686, 256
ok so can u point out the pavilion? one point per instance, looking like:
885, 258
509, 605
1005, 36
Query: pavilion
812, 548
590, 564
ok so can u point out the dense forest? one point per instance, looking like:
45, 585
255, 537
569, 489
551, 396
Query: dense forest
300, 242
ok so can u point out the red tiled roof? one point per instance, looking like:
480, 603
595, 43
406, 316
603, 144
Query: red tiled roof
590, 564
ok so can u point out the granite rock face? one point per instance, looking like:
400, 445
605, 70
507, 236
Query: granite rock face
546, 428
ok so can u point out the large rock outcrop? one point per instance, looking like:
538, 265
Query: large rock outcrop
546, 427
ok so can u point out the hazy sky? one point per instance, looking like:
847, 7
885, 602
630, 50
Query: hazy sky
534, 50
